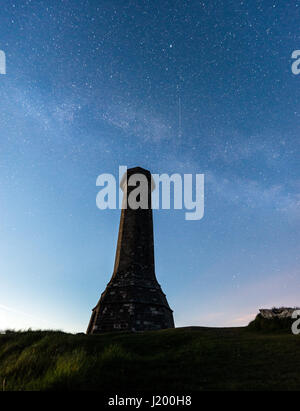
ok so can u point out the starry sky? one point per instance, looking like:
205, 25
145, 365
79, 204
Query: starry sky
171, 86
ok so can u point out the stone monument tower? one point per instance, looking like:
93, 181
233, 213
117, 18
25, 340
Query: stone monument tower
133, 300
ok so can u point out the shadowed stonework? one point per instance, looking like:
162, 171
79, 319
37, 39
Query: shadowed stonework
133, 299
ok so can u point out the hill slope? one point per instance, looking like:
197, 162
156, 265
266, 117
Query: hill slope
175, 360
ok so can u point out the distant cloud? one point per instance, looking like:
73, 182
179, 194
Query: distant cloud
16, 319
11, 318
254, 194
65, 112
232, 146
47, 112
242, 306
244, 319
138, 121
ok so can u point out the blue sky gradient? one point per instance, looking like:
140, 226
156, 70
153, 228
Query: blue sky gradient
92, 85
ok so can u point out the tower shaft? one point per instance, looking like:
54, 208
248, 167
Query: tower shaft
133, 299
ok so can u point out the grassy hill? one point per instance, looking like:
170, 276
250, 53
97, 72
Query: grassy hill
176, 360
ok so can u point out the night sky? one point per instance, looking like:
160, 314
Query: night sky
92, 85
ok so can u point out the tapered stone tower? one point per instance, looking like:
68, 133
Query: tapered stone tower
133, 300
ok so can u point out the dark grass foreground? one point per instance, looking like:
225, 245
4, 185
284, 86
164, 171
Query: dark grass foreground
176, 360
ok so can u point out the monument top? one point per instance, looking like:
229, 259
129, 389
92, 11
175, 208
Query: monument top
137, 170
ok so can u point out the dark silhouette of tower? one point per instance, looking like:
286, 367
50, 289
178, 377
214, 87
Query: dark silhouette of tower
133, 299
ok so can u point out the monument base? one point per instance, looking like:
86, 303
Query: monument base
131, 304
